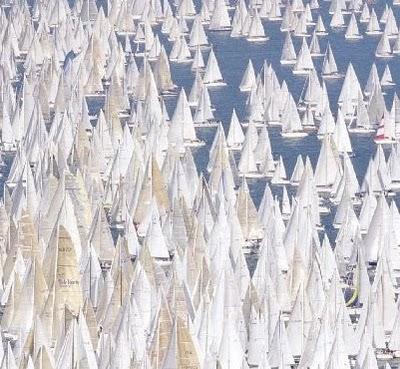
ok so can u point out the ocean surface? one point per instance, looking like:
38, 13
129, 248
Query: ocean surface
233, 55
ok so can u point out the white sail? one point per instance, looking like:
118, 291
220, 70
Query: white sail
288, 55
256, 30
304, 63
327, 167
352, 32
387, 80
235, 136
320, 27
373, 27
291, 123
337, 20
197, 35
249, 78
212, 75
220, 18
384, 50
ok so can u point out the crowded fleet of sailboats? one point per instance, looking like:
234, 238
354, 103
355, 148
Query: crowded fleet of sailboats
120, 250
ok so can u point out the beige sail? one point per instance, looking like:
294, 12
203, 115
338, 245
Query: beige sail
43, 359
160, 190
27, 236
91, 322
181, 352
119, 295
11, 303
68, 289
145, 196
100, 236
162, 334
178, 300
30, 301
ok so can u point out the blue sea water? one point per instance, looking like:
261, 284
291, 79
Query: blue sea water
233, 55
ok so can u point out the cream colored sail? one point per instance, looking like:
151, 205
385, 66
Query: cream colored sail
68, 279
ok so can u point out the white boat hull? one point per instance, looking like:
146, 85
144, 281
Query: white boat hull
274, 123
258, 124
252, 175
353, 37
288, 62
221, 29
332, 76
257, 39
181, 61
302, 35
194, 143
280, 182
211, 124
385, 141
245, 89
384, 56
215, 84
294, 134
235, 147
302, 72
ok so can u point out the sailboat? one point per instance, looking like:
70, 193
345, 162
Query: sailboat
256, 31
180, 52
220, 20
373, 27
337, 20
385, 133
352, 32
384, 50
212, 75
275, 11
288, 56
291, 123
198, 61
320, 27
391, 28
301, 26
315, 49
248, 79
247, 164
204, 116
360, 123
365, 14
387, 80
198, 37
304, 63
329, 67
327, 168
235, 136
396, 46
